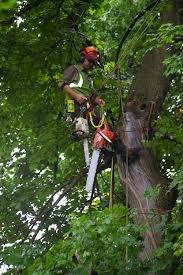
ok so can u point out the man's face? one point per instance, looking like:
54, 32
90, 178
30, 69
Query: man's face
87, 64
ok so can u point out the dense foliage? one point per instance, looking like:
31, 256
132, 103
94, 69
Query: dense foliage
96, 241
38, 159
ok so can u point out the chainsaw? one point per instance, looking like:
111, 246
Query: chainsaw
102, 138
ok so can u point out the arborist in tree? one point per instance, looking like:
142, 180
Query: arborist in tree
76, 82
80, 96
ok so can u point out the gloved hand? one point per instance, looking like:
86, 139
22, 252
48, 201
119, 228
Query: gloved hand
99, 101
80, 99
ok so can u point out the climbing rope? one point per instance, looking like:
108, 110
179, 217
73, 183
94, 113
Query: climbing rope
126, 192
101, 121
111, 184
120, 95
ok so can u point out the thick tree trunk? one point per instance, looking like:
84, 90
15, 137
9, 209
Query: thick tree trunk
146, 97
140, 176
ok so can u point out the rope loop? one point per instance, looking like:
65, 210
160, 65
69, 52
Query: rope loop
101, 121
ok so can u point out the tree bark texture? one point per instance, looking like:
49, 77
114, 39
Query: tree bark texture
140, 176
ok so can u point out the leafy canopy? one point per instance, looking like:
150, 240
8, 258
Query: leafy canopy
37, 157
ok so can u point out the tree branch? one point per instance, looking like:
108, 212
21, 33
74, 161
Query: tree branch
73, 182
45, 212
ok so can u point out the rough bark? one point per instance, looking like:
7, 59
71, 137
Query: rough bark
142, 175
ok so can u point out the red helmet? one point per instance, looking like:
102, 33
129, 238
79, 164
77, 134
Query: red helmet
91, 53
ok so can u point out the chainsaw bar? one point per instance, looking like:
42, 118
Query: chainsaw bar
92, 170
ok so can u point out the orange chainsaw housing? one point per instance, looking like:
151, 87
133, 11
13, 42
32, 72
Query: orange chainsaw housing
103, 136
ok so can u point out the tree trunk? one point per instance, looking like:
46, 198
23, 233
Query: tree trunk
146, 97
140, 176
